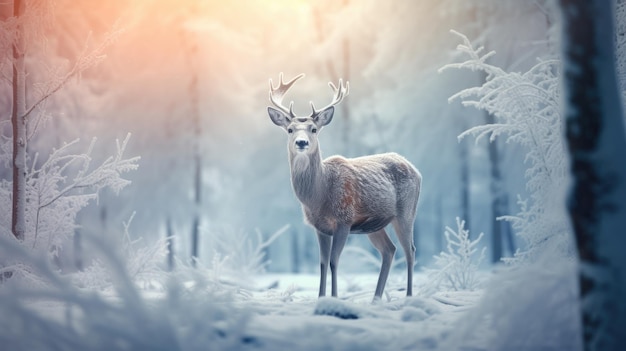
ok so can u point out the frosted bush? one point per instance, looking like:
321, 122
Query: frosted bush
512, 313
186, 317
457, 268
239, 252
59, 187
526, 107
142, 263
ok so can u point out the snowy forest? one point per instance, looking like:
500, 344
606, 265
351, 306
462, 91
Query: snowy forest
147, 200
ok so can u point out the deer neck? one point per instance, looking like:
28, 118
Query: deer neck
307, 176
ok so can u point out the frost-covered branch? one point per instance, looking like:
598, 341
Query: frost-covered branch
477, 61
526, 107
105, 175
86, 59
59, 187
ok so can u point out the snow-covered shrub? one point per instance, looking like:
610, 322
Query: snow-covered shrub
242, 254
526, 107
58, 188
142, 263
185, 317
456, 269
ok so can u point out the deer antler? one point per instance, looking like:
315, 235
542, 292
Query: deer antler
277, 94
338, 94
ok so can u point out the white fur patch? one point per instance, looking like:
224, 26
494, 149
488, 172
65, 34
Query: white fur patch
300, 163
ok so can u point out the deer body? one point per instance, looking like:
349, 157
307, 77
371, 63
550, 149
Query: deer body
362, 193
340, 196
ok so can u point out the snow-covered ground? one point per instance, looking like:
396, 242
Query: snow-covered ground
531, 307
276, 312
291, 316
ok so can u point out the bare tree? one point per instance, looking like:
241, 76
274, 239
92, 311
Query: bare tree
191, 52
343, 71
23, 120
18, 121
594, 127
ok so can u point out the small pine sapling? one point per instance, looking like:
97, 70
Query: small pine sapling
456, 269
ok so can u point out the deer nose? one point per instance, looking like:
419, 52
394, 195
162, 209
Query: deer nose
302, 143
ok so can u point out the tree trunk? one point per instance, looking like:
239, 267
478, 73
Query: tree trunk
345, 108
170, 243
295, 252
596, 141
330, 67
191, 50
507, 231
439, 226
497, 196
78, 251
18, 121
195, 230
465, 182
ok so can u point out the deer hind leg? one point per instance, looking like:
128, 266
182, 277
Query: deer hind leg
404, 231
324, 243
339, 240
387, 249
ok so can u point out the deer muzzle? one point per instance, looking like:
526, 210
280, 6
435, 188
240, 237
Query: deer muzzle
301, 144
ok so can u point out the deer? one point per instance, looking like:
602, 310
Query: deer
342, 196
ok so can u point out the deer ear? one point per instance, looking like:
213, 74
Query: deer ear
324, 117
278, 117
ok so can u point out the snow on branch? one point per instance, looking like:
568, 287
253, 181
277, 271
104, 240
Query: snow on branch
59, 187
526, 108
53, 173
86, 59
476, 62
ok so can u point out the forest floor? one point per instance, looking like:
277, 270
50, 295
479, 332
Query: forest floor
274, 312
290, 316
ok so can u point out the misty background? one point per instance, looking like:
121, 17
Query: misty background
189, 81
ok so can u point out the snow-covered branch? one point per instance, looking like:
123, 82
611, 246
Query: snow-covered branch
86, 59
526, 107
59, 187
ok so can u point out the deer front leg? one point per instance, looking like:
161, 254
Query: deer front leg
324, 243
339, 240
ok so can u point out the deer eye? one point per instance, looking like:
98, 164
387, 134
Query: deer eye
314, 130
289, 130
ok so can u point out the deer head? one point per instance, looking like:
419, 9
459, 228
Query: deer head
302, 131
